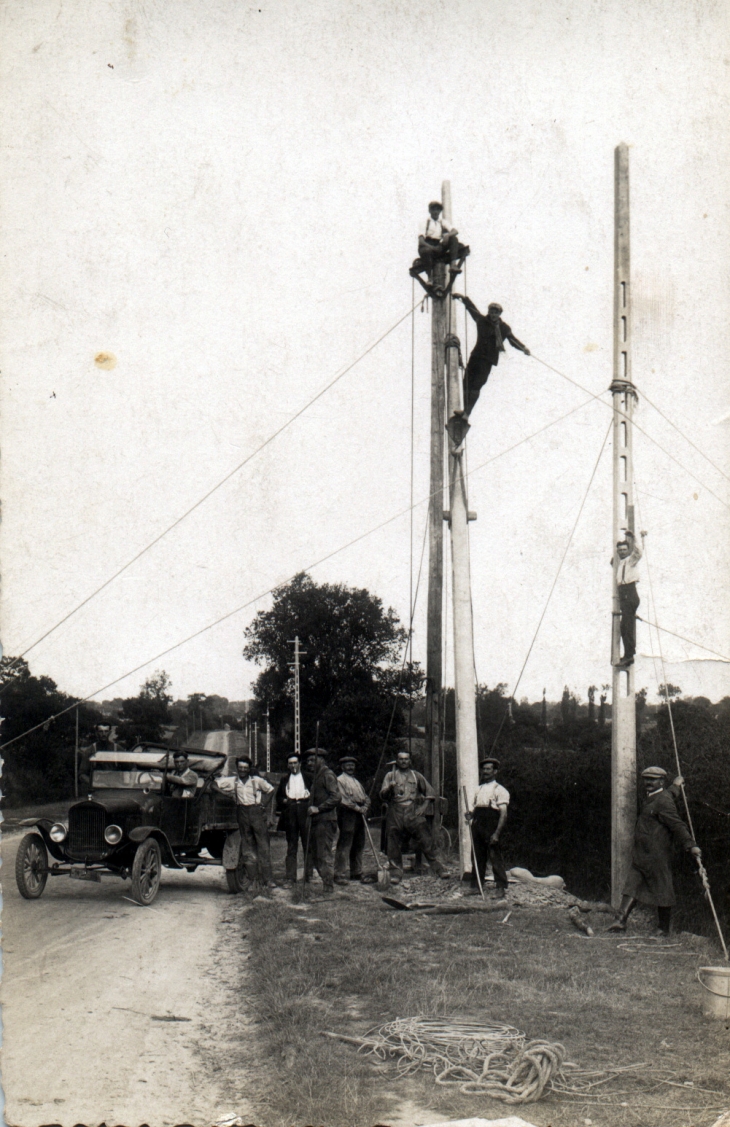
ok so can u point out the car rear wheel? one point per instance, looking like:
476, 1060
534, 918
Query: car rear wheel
146, 871
31, 866
236, 878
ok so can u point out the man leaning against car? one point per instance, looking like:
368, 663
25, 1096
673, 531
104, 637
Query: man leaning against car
248, 791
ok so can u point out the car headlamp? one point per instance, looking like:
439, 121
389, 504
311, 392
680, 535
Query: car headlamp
113, 835
57, 831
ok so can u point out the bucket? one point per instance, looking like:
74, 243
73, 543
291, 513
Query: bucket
716, 984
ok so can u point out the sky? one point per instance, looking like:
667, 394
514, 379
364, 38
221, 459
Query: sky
223, 201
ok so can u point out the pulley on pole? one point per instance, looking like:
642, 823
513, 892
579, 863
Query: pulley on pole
623, 707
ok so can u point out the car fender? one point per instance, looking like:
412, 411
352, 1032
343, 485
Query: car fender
44, 826
232, 850
141, 833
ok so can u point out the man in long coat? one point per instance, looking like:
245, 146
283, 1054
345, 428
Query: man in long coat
650, 876
324, 798
492, 332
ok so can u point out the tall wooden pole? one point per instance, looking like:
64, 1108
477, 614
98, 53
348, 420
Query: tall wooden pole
76, 756
268, 740
623, 707
467, 750
434, 624
297, 700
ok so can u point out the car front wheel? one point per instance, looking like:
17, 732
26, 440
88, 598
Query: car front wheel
31, 866
146, 871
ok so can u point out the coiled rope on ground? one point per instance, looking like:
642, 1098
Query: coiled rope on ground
494, 1059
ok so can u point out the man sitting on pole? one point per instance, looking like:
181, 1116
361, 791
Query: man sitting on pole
492, 331
627, 576
487, 822
407, 793
437, 243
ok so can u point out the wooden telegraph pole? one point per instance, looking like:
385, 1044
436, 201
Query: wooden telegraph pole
297, 698
434, 625
623, 708
467, 750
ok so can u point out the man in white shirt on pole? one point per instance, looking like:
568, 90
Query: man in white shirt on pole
627, 576
436, 241
488, 818
248, 792
354, 805
292, 801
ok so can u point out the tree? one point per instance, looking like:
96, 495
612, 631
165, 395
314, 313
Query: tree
669, 691
143, 717
591, 704
350, 674
39, 767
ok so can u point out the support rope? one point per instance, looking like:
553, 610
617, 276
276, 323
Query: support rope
682, 638
639, 428
263, 594
223, 480
555, 581
702, 871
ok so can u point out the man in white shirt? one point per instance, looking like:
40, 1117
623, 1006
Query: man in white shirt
437, 242
354, 805
488, 818
292, 802
248, 792
627, 576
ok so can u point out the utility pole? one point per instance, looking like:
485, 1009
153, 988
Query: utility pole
76, 756
623, 701
467, 748
255, 755
434, 623
297, 698
268, 740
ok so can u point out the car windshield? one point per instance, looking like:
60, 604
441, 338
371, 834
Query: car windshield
127, 776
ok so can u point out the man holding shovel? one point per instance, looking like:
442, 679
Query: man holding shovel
487, 819
407, 794
324, 798
351, 814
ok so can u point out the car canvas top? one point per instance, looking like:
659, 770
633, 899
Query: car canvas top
207, 762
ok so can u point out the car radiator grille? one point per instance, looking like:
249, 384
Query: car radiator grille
86, 832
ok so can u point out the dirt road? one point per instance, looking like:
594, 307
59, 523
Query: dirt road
120, 1014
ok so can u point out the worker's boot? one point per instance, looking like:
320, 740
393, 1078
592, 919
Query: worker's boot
665, 921
628, 903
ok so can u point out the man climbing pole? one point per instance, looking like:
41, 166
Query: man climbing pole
627, 576
437, 242
492, 331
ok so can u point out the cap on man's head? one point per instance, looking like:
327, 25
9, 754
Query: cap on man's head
496, 307
436, 203
653, 773
347, 759
313, 751
103, 724
490, 759
179, 754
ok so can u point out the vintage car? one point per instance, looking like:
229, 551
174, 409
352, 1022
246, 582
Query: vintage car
130, 826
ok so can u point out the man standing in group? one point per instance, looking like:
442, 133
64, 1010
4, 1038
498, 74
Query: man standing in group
353, 808
183, 779
629, 553
492, 332
650, 875
248, 792
487, 819
437, 242
292, 802
407, 794
324, 798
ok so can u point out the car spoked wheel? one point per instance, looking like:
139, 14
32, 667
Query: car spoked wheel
31, 866
237, 879
146, 871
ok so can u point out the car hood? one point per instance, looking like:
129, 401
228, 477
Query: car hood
121, 801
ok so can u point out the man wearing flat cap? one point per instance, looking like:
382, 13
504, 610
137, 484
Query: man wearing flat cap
650, 877
324, 798
354, 805
408, 795
488, 817
437, 242
492, 332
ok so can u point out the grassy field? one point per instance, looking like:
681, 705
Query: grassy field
352, 963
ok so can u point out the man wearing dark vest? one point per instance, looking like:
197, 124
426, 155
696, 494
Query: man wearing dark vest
492, 332
292, 802
407, 794
324, 798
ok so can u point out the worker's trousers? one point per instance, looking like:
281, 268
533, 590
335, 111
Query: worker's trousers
350, 844
483, 826
475, 377
628, 601
295, 826
321, 855
400, 822
252, 823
